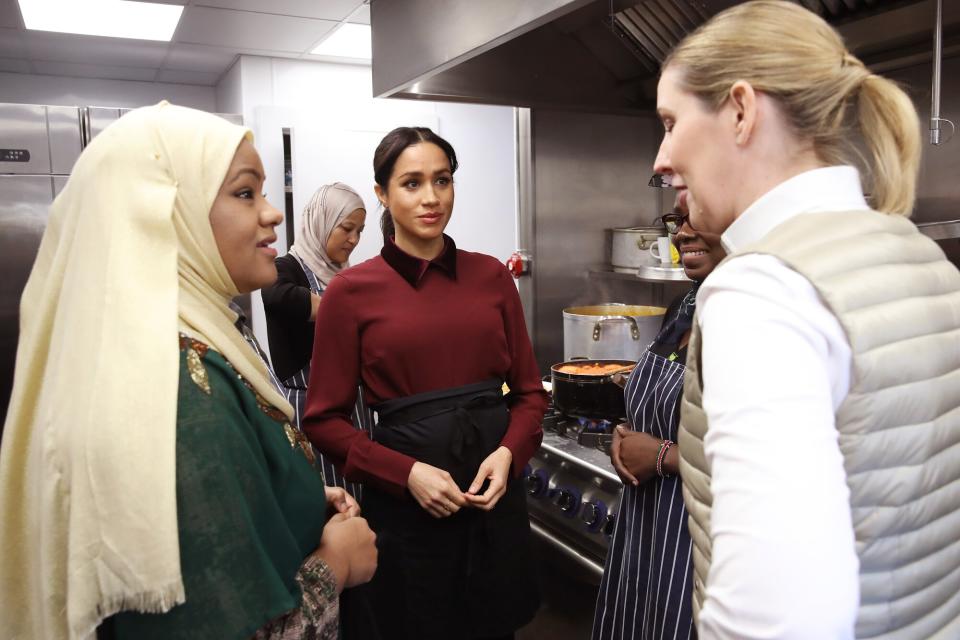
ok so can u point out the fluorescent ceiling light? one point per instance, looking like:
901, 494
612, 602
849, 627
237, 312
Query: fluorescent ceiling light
111, 18
347, 41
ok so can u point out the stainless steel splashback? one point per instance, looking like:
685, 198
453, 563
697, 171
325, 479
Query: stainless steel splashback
590, 174
938, 189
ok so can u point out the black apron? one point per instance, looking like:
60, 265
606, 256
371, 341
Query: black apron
469, 575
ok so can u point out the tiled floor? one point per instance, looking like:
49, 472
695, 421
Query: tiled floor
568, 601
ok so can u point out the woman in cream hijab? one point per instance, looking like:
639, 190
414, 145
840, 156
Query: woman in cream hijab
138, 477
329, 232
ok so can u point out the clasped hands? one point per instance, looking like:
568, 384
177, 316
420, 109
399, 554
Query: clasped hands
435, 490
347, 545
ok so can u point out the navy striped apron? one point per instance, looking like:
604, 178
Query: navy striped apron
295, 390
646, 588
251, 340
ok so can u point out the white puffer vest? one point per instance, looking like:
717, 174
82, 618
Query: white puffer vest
897, 298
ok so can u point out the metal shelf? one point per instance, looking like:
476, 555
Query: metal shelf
642, 274
948, 230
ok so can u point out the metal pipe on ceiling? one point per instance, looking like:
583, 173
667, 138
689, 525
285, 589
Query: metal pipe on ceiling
935, 131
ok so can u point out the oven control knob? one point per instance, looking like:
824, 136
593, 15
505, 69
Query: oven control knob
594, 515
609, 524
568, 499
537, 482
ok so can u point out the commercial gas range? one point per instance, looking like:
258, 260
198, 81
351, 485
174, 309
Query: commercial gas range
573, 491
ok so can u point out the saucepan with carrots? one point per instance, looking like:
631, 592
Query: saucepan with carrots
590, 388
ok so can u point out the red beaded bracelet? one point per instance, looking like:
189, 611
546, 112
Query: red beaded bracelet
661, 454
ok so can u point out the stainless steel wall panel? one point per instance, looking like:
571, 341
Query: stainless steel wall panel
24, 203
63, 125
24, 134
938, 190
591, 173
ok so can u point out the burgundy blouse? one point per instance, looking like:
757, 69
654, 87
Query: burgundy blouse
403, 325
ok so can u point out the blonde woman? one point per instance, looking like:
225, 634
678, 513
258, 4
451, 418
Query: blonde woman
821, 476
150, 482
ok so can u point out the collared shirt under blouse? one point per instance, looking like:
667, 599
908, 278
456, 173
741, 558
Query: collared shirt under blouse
402, 326
783, 560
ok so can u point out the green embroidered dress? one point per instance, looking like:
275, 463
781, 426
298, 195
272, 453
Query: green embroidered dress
250, 509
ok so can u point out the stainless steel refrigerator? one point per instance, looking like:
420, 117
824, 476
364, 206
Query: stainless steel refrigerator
38, 147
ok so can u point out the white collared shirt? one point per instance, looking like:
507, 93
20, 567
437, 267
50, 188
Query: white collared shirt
776, 366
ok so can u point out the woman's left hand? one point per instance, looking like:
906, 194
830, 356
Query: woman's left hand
339, 501
496, 469
635, 453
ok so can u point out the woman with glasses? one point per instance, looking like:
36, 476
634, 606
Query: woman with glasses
820, 427
645, 591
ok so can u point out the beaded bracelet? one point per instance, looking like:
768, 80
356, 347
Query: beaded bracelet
661, 454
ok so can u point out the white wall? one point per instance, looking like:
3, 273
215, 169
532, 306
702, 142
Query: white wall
336, 125
228, 92
89, 92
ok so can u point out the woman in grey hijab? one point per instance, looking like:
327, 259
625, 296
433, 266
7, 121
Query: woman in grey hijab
329, 231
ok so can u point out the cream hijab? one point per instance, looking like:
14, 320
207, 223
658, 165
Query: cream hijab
87, 467
327, 208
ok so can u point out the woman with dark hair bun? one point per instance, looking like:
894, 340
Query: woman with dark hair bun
431, 333
385, 157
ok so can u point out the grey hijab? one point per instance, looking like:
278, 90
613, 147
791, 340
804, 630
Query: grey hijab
327, 208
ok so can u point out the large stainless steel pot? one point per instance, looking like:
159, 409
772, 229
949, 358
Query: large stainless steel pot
630, 247
609, 331
589, 396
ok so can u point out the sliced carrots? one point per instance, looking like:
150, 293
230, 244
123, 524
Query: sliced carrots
593, 368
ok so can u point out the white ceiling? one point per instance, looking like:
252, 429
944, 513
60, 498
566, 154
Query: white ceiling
210, 36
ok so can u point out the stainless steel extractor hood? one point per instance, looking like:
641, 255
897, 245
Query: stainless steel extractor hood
597, 55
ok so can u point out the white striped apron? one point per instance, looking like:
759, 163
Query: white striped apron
295, 390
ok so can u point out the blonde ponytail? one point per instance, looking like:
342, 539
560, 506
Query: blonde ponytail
849, 115
891, 133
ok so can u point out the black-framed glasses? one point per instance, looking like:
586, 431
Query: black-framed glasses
673, 221
661, 181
